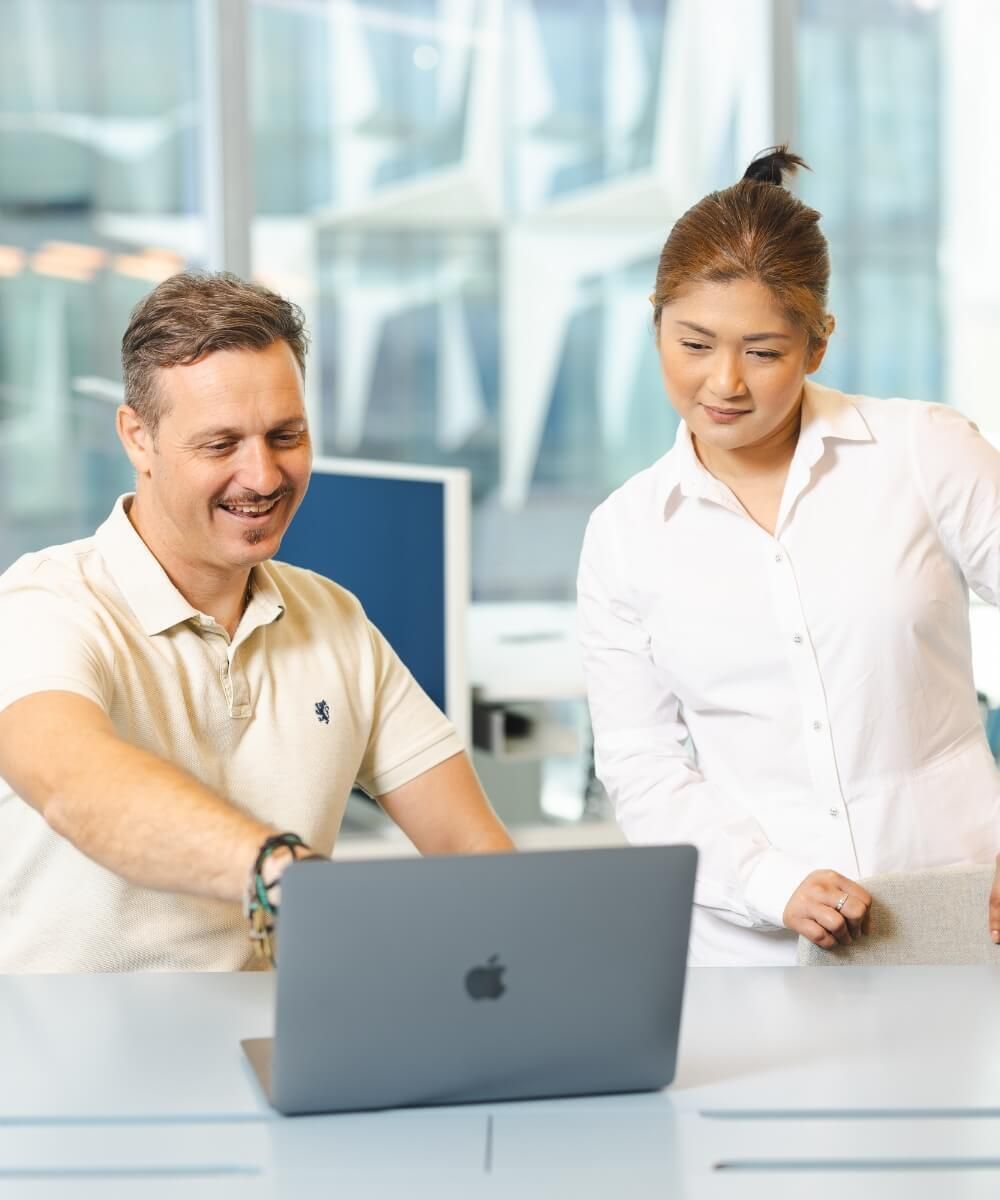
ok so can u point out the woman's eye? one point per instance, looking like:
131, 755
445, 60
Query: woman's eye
694, 346
765, 354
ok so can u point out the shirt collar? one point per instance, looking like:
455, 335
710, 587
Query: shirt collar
826, 413
157, 604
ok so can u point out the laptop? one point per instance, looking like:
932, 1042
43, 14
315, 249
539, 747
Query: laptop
477, 978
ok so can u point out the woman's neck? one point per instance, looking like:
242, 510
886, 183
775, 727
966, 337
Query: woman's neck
765, 460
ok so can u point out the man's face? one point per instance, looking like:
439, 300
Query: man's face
231, 459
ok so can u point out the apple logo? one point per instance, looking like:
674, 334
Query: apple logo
484, 983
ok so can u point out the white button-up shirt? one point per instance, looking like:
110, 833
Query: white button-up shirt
803, 700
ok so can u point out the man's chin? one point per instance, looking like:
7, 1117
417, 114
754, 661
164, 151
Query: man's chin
251, 546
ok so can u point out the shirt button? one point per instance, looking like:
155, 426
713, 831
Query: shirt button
834, 812
817, 725
797, 639
777, 558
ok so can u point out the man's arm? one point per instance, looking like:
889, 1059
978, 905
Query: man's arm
445, 811
132, 812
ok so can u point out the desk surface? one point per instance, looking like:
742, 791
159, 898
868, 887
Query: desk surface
115, 1082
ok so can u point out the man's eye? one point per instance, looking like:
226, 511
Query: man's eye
219, 447
289, 439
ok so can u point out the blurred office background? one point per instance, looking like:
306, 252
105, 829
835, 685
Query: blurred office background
468, 197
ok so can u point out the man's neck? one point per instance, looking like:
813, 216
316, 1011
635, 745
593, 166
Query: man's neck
220, 595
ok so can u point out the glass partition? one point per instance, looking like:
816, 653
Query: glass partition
99, 199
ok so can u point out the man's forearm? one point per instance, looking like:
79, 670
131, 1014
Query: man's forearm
158, 827
445, 811
125, 808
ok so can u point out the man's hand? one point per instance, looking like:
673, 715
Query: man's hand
995, 906
277, 863
812, 911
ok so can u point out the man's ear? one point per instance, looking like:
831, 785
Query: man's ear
818, 351
136, 438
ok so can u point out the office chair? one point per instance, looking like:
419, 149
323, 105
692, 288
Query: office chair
933, 917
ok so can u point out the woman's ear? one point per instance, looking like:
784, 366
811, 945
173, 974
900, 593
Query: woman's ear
817, 352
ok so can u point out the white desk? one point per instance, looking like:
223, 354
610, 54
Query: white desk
136, 1086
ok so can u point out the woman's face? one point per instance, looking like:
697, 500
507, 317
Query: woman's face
733, 363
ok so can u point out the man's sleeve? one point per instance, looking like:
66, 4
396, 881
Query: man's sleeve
409, 733
50, 641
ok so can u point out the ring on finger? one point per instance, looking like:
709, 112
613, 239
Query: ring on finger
842, 901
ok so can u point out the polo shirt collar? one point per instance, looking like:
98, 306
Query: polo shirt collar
157, 604
826, 414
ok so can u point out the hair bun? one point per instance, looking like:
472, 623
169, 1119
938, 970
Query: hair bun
770, 166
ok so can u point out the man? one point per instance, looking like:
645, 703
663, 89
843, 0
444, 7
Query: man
170, 698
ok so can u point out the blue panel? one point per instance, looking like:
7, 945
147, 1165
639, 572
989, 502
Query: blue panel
382, 539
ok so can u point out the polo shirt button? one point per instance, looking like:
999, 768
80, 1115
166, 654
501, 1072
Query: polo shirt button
797, 639
834, 812
817, 725
778, 558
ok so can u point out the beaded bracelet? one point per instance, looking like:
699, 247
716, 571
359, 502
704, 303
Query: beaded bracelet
258, 908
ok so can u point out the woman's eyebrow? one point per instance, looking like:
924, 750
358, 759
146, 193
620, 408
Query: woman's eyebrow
750, 337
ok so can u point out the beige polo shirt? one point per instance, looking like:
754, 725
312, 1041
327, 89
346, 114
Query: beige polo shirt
306, 700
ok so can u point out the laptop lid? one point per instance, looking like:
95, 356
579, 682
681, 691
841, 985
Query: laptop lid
476, 978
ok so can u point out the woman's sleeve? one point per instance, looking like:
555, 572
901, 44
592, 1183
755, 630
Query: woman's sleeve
959, 476
643, 757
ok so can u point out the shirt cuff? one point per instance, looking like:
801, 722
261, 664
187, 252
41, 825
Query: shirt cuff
771, 884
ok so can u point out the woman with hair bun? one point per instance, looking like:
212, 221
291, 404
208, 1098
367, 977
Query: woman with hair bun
774, 616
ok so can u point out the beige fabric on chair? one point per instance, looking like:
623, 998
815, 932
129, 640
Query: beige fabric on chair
920, 918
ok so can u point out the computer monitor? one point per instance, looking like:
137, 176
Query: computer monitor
397, 537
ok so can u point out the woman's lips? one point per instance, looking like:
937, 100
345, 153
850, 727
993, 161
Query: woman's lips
725, 416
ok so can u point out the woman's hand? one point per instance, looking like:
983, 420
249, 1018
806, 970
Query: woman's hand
995, 906
812, 912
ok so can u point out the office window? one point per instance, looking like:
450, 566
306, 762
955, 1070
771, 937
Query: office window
469, 197
98, 200
869, 124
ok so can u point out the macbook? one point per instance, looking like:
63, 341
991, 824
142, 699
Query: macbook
477, 978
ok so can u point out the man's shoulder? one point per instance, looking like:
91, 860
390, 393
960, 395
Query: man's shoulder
64, 568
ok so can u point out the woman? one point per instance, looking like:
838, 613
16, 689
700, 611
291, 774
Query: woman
774, 616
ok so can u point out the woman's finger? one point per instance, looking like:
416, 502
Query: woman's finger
854, 912
816, 934
833, 921
855, 908
995, 908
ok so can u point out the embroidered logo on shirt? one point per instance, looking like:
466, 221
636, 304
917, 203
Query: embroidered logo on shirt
322, 711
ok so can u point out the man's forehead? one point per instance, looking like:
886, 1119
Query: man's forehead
231, 388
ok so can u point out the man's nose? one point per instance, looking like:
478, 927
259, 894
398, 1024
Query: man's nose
259, 471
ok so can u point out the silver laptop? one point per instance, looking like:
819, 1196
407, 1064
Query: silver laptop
479, 978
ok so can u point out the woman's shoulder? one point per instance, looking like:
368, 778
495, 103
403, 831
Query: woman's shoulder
641, 495
893, 421
879, 412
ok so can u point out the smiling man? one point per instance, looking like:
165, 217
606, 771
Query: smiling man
180, 715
